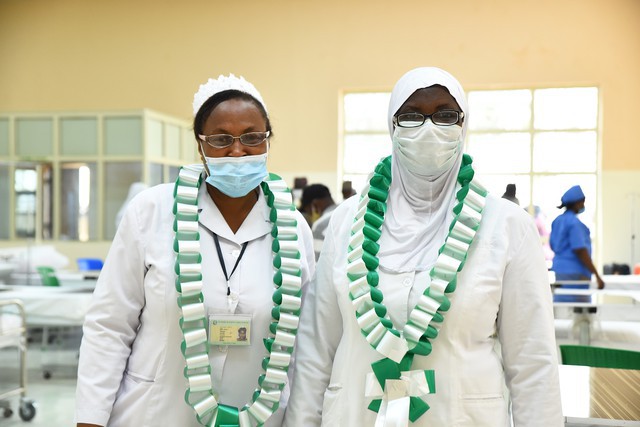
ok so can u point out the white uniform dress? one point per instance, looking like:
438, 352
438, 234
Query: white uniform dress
498, 334
131, 368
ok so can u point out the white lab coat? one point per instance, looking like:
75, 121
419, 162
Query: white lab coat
131, 368
498, 334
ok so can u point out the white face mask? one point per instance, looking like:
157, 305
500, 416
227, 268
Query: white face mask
428, 150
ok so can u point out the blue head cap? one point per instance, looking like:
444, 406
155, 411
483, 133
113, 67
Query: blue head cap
572, 195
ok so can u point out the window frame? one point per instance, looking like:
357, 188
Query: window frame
164, 156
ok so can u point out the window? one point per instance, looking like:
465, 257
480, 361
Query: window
365, 135
25, 189
543, 140
79, 191
65, 176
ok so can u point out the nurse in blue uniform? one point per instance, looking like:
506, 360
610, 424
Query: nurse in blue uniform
571, 241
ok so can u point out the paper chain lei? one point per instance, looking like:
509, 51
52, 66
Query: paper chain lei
399, 347
286, 298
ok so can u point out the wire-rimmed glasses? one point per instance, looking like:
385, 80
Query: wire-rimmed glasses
250, 139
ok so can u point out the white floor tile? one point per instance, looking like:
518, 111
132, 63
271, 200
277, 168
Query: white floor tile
54, 398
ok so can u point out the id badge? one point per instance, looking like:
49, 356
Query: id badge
230, 329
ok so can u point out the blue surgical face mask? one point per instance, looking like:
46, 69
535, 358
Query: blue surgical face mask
237, 176
581, 210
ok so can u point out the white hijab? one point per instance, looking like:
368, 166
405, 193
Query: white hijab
419, 210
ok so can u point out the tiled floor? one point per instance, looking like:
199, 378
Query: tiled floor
54, 398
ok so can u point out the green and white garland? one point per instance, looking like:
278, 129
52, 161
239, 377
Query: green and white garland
399, 346
193, 321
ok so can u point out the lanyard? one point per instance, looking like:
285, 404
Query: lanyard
222, 264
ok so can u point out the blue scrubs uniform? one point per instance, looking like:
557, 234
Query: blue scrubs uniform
568, 233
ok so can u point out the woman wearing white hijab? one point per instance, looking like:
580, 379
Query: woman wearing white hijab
431, 304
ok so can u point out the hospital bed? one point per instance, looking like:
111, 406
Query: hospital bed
630, 282
615, 323
13, 335
59, 311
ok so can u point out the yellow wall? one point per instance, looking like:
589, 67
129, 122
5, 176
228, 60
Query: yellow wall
97, 55
78, 54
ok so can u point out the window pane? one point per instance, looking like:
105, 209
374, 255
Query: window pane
173, 173
155, 173
123, 136
118, 178
363, 152
4, 137
34, 137
500, 110
25, 185
78, 206
78, 136
154, 138
500, 152
172, 141
548, 189
566, 108
189, 147
497, 184
46, 206
366, 111
5, 188
564, 152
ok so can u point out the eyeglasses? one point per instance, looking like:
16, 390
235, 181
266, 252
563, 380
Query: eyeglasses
251, 139
440, 118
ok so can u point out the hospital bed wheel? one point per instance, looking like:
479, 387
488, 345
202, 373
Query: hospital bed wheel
7, 412
27, 411
46, 375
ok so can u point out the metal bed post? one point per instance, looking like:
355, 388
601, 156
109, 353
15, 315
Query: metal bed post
26, 409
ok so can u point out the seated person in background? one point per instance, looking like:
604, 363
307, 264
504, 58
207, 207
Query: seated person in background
298, 187
316, 198
324, 206
347, 190
570, 239
321, 206
510, 194
309, 194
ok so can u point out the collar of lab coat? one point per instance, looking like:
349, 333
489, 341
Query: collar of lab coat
255, 225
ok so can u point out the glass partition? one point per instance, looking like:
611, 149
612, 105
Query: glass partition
123, 136
5, 207
78, 201
79, 136
156, 172
66, 176
4, 137
25, 187
34, 137
119, 177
